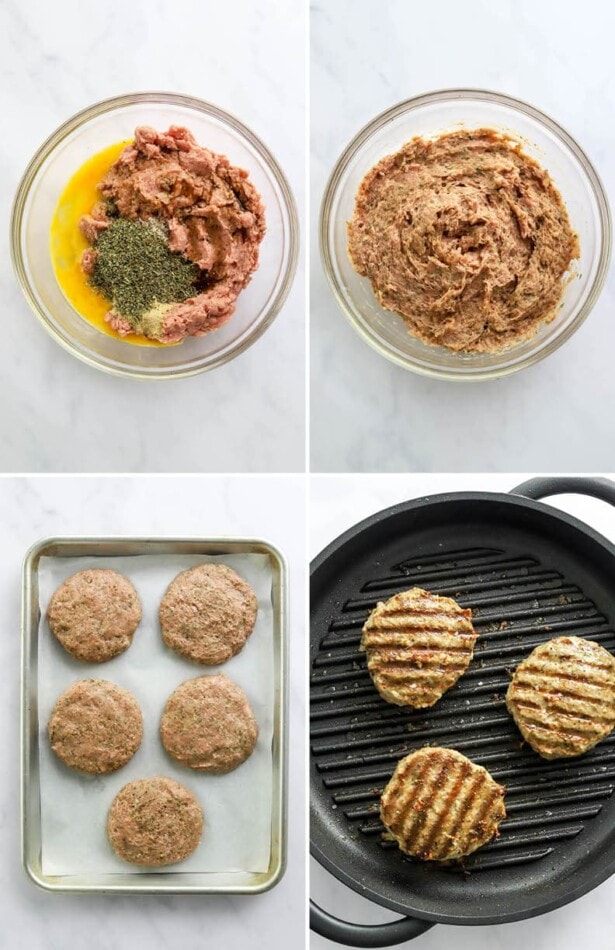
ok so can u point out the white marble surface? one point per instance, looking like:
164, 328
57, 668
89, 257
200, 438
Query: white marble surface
339, 502
271, 508
369, 415
55, 59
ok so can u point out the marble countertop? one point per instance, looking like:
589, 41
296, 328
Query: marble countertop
369, 415
34, 508
61, 415
337, 503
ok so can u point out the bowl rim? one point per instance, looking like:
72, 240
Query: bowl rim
109, 105
447, 94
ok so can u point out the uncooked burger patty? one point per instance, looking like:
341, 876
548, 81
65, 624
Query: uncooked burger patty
154, 821
208, 613
95, 726
439, 806
208, 724
417, 646
562, 696
94, 614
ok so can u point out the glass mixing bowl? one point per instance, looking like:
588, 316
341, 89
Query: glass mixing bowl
544, 140
89, 132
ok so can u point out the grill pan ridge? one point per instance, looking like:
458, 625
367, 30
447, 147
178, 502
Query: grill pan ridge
529, 573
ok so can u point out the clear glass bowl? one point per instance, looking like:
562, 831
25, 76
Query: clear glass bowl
544, 140
89, 132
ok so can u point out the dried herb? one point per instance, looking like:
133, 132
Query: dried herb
136, 270
110, 208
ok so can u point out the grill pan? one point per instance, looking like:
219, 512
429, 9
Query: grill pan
529, 572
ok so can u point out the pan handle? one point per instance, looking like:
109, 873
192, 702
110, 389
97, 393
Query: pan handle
567, 484
365, 935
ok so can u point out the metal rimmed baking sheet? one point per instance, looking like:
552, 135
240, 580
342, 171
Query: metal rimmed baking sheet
142, 554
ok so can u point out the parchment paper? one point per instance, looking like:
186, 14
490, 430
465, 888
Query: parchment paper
237, 806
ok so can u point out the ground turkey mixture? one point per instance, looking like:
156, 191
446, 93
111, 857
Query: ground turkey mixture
207, 210
465, 237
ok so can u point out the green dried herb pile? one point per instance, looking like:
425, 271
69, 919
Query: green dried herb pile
136, 270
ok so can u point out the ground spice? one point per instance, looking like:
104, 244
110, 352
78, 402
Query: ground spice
136, 270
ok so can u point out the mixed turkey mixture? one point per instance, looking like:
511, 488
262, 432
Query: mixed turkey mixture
466, 238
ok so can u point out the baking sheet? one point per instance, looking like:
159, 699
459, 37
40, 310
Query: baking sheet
237, 806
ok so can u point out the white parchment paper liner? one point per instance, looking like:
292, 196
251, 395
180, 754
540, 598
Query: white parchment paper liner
237, 806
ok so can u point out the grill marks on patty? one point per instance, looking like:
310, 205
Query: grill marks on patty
417, 645
440, 806
562, 697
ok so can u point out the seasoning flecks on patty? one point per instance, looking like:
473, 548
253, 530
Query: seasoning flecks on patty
154, 821
417, 646
95, 726
94, 614
465, 237
208, 613
562, 696
440, 806
208, 724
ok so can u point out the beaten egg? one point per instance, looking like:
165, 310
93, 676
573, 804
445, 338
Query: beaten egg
67, 243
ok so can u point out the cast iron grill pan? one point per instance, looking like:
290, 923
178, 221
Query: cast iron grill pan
529, 574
